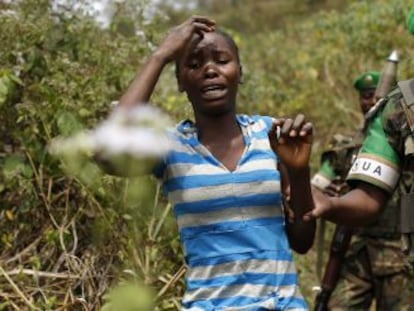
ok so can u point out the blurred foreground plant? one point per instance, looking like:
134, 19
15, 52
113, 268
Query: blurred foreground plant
131, 296
130, 142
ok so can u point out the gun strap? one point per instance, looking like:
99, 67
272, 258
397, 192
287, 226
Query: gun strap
320, 247
373, 110
407, 90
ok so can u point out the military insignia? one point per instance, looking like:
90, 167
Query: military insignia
368, 81
375, 171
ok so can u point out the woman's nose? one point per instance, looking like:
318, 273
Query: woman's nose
210, 71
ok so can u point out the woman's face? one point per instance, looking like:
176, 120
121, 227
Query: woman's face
209, 72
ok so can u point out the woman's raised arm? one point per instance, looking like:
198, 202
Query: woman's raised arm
169, 50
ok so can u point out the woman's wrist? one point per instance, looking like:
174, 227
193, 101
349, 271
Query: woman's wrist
299, 172
160, 56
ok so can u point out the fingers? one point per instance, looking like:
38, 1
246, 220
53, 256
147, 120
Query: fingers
331, 192
301, 126
306, 129
201, 19
322, 206
297, 125
275, 131
290, 128
201, 28
196, 26
293, 127
311, 215
290, 215
201, 24
286, 129
184, 36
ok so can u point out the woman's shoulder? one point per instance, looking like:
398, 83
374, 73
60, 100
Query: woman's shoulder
182, 130
258, 121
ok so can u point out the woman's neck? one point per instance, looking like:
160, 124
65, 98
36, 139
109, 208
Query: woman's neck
223, 137
217, 128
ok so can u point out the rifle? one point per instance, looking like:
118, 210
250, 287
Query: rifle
341, 158
339, 245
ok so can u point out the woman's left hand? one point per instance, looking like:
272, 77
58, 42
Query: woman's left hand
294, 144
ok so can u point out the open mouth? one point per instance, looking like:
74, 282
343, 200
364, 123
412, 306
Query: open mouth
213, 91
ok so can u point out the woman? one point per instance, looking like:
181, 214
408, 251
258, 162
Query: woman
223, 179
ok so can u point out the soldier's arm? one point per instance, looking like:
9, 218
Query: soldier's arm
373, 176
359, 207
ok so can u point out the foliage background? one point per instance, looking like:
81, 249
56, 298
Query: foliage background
68, 233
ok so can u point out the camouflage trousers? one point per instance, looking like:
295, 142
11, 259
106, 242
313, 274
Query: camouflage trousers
375, 272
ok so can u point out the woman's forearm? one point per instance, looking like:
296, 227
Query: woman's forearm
142, 87
301, 234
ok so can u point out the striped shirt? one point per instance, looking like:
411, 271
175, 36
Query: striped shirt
231, 223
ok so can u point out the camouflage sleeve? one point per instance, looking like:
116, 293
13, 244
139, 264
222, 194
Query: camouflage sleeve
394, 121
324, 176
378, 162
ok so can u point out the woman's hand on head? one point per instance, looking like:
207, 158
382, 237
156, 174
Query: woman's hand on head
172, 48
178, 37
291, 140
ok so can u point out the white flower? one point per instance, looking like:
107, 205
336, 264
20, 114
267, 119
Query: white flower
78, 143
129, 137
139, 132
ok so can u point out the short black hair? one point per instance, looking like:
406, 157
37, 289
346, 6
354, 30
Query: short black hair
229, 40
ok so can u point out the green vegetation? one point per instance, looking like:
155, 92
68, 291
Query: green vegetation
69, 233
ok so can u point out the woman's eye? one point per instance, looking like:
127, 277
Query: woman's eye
193, 64
222, 60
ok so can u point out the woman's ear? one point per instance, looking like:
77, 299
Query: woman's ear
180, 86
177, 77
240, 74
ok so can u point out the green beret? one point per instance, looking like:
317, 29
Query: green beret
410, 21
367, 80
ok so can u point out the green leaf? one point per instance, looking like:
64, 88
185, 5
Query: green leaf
4, 89
15, 165
67, 123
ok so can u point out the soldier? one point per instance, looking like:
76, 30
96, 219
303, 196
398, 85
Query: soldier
337, 159
385, 162
374, 267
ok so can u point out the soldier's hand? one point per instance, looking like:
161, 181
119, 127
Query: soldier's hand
336, 189
322, 205
289, 213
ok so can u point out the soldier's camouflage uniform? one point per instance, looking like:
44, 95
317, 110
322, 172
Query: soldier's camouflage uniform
386, 160
375, 267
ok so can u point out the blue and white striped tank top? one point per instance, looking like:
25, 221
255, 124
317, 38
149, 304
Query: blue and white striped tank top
231, 224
